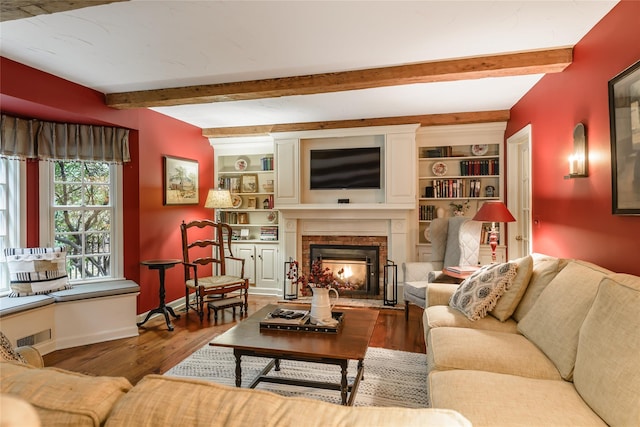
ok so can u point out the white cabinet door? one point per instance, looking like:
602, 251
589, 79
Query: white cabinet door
267, 266
260, 266
400, 155
287, 159
247, 252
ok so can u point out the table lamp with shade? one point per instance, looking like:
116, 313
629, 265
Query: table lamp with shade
493, 212
218, 199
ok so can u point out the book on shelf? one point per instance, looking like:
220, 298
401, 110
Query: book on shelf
269, 233
462, 269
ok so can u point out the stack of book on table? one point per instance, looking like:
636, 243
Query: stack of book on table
462, 269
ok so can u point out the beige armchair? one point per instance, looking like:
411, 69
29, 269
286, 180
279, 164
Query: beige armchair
454, 241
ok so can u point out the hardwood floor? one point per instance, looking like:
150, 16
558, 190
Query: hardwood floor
156, 349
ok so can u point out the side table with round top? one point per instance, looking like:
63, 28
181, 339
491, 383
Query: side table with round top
161, 265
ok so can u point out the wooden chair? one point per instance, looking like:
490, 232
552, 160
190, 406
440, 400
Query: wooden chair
203, 245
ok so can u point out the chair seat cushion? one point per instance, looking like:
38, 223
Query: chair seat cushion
216, 281
416, 289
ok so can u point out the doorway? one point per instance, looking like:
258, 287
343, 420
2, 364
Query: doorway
519, 192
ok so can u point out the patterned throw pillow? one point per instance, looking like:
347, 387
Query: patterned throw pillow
479, 293
7, 352
34, 271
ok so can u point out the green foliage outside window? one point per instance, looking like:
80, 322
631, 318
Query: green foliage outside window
83, 217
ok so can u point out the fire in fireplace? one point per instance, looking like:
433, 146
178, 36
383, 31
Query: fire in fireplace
355, 267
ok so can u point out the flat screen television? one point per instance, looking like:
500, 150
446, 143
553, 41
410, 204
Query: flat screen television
345, 168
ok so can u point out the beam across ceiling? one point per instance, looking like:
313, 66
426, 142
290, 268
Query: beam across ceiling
424, 120
20, 9
503, 65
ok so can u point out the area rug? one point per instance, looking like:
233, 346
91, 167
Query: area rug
391, 378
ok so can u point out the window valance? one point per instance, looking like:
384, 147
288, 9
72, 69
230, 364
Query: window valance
37, 139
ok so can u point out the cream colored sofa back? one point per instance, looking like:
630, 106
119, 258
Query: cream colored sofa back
607, 368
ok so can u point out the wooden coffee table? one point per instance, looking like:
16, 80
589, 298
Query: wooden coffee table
350, 343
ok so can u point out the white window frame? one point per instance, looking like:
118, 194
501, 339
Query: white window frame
15, 193
47, 234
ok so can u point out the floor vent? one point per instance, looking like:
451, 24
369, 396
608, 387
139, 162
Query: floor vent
35, 338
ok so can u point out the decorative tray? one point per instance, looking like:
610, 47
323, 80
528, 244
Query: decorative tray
305, 326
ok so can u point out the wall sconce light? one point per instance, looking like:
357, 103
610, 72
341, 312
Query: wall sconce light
579, 159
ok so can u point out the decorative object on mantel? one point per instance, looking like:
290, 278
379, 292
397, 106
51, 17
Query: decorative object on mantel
459, 209
624, 119
493, 211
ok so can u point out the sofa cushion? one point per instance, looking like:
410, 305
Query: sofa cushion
607, 375
545, 268
10, 306
553, 323
479, 293
508, 302
501, 352
439, 316
492, 399
96, 290
35, 271
169, 401
62, 397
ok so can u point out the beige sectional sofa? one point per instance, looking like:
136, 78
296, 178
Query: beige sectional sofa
561, 347
63, 398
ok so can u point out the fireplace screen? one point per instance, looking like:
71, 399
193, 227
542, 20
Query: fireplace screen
354, 267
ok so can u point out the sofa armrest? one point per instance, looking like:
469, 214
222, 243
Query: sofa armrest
439, 293
31, 355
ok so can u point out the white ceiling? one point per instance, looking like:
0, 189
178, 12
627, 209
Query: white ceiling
152, 44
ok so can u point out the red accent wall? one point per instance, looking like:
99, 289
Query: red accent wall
151, 230
572, 217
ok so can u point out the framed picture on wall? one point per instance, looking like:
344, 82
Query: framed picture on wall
180, 181
624, 118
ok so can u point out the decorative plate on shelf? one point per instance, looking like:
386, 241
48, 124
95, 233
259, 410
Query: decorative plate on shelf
427, 233
272, 217
236, 201
242, 164
479, 149
439, 168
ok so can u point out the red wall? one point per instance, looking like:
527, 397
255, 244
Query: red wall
151, 230
572, 217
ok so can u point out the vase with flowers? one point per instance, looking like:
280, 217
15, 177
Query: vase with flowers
320, 281
459, 209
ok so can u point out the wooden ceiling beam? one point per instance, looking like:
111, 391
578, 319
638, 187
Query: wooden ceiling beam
20, 9
511, 64
423, 120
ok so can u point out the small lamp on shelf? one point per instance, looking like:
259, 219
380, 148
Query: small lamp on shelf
493, 212
218, 199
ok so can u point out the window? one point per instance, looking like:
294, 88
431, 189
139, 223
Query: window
11, 212
84, 216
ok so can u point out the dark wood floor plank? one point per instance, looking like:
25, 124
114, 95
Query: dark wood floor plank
156, 349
